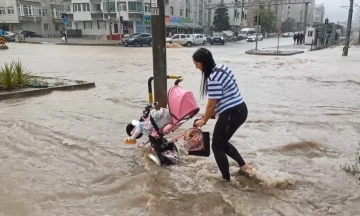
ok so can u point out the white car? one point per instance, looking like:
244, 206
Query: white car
182, 39
253, 37
199, 39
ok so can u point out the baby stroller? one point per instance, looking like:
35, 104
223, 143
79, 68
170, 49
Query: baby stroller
182, 107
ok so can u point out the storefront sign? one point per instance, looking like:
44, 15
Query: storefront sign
168, 19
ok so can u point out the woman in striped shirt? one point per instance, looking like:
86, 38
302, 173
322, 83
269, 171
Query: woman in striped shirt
224, 100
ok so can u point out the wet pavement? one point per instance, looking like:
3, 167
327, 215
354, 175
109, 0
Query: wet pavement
63, 153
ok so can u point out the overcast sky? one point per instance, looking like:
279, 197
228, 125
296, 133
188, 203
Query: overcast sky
334, 12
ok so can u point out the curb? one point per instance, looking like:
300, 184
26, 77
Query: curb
44, 91
74, 44
274, 53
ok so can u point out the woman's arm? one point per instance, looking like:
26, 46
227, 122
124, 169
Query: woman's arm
210, 110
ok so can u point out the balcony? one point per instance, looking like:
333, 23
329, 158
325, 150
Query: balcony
34, 19
29, 1
56, 2
99, 15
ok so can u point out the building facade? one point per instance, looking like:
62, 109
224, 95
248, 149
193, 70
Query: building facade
237, 16
91, 16
284, 11
40, 16
319, 14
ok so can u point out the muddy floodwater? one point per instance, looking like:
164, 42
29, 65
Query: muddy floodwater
63, 153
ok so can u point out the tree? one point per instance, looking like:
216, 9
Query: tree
289, 25
267, 20
221, 19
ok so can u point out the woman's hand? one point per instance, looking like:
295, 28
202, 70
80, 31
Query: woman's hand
200, 123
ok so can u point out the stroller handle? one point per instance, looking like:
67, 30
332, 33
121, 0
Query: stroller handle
150, 93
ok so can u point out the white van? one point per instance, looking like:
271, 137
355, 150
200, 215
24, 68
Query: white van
245, 32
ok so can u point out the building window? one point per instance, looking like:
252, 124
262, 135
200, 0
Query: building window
76, 7
2, 11
181, 13
57, 27
27, 10
147, 8
135, 7
86, 7
101, 24
112, 6
44, 12
46, 27
88, 25
171, 10
188, 13
122, 6
10, 10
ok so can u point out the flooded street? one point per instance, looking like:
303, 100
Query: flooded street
63, 153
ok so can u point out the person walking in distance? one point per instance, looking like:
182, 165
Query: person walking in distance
226, 101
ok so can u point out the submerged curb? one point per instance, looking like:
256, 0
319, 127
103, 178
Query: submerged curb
77, 44
44, 91
273, 53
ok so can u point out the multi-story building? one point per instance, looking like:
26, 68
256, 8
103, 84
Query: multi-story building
40, 16
319, 14
237, 16
92, 18
284, 11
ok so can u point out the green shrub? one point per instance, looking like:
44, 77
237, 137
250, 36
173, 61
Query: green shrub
7, 77
21, 73
14, 75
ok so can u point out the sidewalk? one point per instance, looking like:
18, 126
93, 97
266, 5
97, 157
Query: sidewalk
73, 41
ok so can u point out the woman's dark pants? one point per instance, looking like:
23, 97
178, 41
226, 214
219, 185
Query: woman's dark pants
227, 124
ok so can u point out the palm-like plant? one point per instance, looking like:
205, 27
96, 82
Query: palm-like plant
22, 75
7, 76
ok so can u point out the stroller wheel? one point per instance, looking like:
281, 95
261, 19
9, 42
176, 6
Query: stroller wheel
130, 128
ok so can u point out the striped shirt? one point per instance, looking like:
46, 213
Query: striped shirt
223, 87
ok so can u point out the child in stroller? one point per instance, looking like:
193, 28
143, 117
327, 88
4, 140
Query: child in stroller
158, 123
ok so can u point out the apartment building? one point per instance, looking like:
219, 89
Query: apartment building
237, 16
91, 16
284, 11
40, 16
319, 14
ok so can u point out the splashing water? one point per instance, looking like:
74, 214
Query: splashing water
274, 179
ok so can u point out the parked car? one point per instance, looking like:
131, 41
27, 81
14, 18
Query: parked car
138, 40
30, 34
245, 32
199, 39
182, 39
9, 36
253, 37
217, 38
287, 34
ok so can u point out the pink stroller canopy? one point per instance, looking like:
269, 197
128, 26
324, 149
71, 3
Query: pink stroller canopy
182, 104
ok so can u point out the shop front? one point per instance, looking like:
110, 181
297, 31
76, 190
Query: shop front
174, 25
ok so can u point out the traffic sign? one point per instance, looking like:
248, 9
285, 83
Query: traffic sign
279, 31
2, 40
154, 3
154, 11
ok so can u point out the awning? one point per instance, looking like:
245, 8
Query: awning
192, 25
173, 24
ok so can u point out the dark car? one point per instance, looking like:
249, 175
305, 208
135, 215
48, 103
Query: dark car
30, 34
138, 40
9, 36
217, 38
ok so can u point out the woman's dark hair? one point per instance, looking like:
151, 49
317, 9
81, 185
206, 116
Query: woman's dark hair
204, 57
